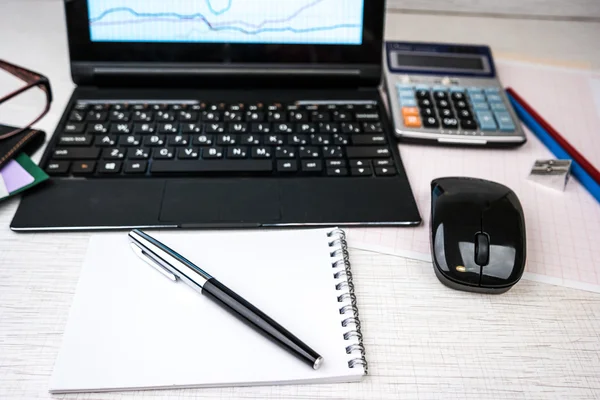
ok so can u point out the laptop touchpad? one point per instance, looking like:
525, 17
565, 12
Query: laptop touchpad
206, 201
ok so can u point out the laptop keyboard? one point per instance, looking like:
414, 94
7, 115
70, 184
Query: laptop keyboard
118, 139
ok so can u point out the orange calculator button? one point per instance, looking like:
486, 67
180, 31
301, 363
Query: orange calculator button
412, 121
410, 111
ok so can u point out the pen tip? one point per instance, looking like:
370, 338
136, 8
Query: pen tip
318, 363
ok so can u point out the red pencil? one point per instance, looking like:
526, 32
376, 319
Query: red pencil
577, 156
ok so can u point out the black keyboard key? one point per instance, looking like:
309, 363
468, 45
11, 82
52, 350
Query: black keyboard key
431, 122
191, 153
171, 128
178, 141
319, 139
135, 167
309, 152
297, 140
287, 166
320, 116
130, 140
188, 116
113, 154
166, 116
83, 167
298, 116
367, 116
119, 116
337, 171
361, 171
100, 107
427, 112
76, 153
385, 171
458, 96
312, 166
96, 116
109, 167
350, 127
450, 123
333, 152
468, 124
465, 114
372, 127
329, 127
368, 152
164, 153
75, 140
226, 140
144, 129
191, 128
255, 116
425, 103
252, 139
105, 141
383, 163
306, 128
120, 129
98, 128
154, 140
283, 128
276, 116
203, 140
341, 139
143, 116
442, 103
261, 128
74, 127
237, 152
262, 152
336, 163
285, 152
237, 128
211, 116
360, 163
446, 113
139, 153
368, 139
233, 116
77, 116
342, 116
211, 153
274, 140
209, 166
80, 107
215, 128
58, 167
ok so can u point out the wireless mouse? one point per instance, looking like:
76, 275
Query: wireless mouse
478, 238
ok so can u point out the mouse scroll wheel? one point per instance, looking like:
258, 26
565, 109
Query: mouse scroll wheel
482, 249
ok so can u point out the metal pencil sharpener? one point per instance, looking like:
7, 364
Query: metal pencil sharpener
551, 173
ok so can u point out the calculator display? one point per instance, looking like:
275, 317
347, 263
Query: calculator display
412, 60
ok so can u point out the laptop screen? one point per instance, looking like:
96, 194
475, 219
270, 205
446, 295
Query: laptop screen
333, 22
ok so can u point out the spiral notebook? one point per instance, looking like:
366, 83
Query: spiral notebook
130, 328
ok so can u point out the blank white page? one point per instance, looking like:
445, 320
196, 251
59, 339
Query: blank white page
132, 328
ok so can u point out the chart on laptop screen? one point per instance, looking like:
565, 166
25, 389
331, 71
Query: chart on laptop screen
336, 22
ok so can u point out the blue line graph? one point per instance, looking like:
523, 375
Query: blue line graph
272, 21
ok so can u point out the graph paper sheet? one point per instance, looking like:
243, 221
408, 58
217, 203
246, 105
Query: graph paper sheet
563, 228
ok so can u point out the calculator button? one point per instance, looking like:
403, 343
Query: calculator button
427, 112
401, 86
446, 113
505, 121
439, 95
431, 122
458, 96
477, 97
439, 89
461, 105
425, 103
423, 94
443, 103
474, 90
468, 125
486, 121
493, 90
457, 89
498, 107
480, 106
465, 114
406, 111
450, 123
412, 121
406, 102
406, 94
494, 98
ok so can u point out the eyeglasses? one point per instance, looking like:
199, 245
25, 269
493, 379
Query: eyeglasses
28, 106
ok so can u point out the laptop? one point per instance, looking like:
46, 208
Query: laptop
222, 114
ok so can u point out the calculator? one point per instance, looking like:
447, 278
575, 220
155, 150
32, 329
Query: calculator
448, 94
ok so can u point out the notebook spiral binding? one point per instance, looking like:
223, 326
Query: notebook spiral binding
339, 252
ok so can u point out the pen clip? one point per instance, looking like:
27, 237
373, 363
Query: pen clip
152, 262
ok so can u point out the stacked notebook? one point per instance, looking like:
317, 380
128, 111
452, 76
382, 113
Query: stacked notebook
130, 328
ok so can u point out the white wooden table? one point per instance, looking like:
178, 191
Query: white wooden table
423, 340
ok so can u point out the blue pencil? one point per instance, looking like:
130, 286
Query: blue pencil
577, 171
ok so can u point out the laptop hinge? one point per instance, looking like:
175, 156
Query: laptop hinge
202, 76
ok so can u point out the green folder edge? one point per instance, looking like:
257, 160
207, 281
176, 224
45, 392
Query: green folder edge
33, 169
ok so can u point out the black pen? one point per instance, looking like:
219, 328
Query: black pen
174, 266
